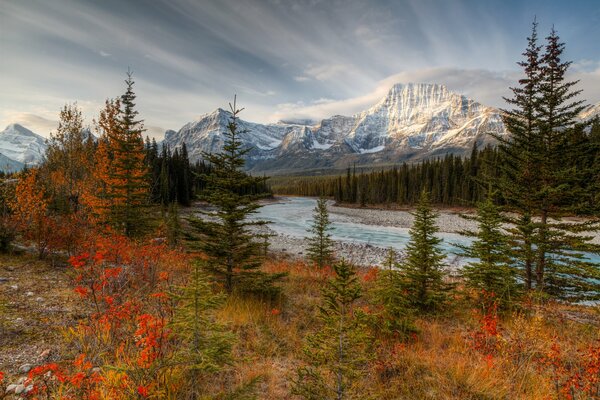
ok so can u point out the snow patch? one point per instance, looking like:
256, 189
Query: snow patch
373, 150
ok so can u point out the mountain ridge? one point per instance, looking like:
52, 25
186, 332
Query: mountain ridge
413, 121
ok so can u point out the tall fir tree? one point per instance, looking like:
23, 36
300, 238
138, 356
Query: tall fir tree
541, 176
423, 268
338, 353
320, 247
559, 272
234, 253
491, 274
129, 175
120, 184
519, 178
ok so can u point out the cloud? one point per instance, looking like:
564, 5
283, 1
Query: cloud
486, 87
104, 53
36, 123
301, 78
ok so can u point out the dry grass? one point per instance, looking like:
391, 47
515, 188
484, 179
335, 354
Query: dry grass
439, 363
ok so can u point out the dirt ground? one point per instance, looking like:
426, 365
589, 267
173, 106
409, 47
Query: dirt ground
36, 303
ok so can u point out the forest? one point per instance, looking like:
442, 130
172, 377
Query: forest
154, 282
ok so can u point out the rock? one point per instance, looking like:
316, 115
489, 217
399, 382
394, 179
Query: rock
44, 355
2, 279
39, 299
25, 368
14, 287
19, 389
11, 388
29, 294
28, 389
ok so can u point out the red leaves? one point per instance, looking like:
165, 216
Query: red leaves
150, 336
143, 391
485, 339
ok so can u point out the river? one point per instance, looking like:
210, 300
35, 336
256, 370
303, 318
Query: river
291, 217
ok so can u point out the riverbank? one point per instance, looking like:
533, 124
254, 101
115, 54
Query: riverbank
369, 254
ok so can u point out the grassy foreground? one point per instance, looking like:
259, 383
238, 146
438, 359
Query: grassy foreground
532, 353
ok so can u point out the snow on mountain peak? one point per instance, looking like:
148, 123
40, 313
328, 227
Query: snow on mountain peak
20, 144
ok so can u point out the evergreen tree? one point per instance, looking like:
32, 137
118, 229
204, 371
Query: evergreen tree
320, 247
234, 253
519, 151
390, 292
423, 268
557, 116
129, 173
338, 353
206, 345
491, 274
120, 177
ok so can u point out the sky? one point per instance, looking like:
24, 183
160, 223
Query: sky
284, 59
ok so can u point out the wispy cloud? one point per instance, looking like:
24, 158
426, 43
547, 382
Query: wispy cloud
283, 58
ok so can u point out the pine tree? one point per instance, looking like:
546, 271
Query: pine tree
206, 344
338, 353
557, 115
320, 247
519, 150
119, 188
542, 177
234, 253
491, 274
129, 175
423, 268
390, 292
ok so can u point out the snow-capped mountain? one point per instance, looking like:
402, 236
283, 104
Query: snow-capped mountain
590, 112
9, 165
412, 121
22, 145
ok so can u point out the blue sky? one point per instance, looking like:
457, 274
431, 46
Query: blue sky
284, 59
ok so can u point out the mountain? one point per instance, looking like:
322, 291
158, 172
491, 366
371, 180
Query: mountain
22, 145
590, 112
9, 165
412, 122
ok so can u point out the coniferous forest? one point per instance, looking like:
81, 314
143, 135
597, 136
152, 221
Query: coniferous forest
129, 272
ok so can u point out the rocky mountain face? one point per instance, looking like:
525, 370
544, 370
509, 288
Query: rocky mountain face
412, 122
21, 145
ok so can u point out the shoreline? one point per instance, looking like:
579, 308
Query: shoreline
449, 221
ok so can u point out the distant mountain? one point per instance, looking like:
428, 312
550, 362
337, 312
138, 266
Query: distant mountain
9, 165
22, 145
590, 112
413, 121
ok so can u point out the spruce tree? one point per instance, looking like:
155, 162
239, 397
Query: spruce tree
234, 253
338, 353
491, 274
542, 177
320, 247
390, 292
519, 151
205, 344
423, 268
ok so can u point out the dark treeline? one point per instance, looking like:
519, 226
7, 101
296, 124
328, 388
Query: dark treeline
173, 178
452, 180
